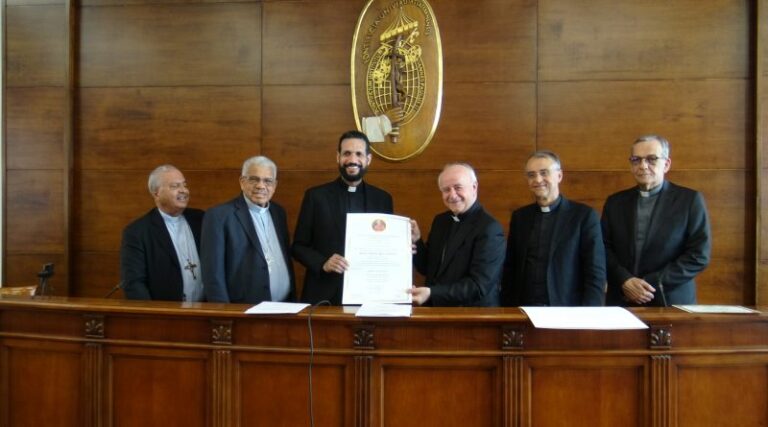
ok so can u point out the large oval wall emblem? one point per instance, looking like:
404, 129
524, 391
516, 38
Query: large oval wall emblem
397, 76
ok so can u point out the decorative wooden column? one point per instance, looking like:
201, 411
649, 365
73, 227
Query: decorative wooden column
221, 333
93, 371
363, 340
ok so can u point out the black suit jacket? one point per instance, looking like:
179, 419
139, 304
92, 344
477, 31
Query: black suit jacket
470, 270
149, 266
320, 232
676, 249
233, 263
576, 267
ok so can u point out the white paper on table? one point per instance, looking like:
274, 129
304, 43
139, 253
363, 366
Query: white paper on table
378, 249
375, 309
599, 318
727, 309
271, 307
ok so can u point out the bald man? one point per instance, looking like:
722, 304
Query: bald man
463, 257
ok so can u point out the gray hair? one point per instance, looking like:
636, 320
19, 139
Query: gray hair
153, 183
259, 161
545, 154
650, 137
467, 166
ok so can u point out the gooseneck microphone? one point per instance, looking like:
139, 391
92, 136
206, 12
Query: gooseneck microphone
119, 285
661, 289
44, 275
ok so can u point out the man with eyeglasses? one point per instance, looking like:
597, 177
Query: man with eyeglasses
555, 253
657, 235
321, 227
159, 251
245, 242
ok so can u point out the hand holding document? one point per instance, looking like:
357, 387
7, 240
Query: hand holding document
378, 249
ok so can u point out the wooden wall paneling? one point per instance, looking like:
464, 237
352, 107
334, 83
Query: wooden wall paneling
35, 46
721, 390
34, 218
35, 125
301, 125
309, 42
167, 386
43, 375
489, 125
602, 40
22, 269
592, 125
761, 152
412, 392
171, 45
581, 387
275, 387
203, 127
487, 41
85, 3
95, 274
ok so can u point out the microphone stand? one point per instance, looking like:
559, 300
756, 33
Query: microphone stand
661, 290
119, 285
44, 275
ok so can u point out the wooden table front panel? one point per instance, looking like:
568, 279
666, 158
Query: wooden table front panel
77, 362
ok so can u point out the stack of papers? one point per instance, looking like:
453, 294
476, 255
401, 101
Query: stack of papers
599, 318
269, 307
374, 309
729, 309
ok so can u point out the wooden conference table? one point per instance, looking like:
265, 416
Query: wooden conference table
95, 362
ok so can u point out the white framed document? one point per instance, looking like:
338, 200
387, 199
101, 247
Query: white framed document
378, 249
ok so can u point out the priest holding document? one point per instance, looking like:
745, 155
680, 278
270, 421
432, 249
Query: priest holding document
378, 249
463, 258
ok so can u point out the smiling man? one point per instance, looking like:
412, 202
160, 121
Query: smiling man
463, 257
245, 243
321, 227
657, 236
159, 251
555, 254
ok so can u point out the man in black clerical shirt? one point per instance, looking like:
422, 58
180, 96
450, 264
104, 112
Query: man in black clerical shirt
555, 253
657, 237
318, 243
463, 257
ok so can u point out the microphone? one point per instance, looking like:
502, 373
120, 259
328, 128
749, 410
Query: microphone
661, 289
119, 285
44, 275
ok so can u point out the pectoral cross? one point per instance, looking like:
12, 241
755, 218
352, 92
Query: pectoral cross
191, 267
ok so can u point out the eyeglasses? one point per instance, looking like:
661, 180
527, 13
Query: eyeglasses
651, 160
544, 173
253, 180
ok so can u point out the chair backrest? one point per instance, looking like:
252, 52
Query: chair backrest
18, 290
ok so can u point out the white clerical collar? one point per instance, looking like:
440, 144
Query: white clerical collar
170, 218
652, 192
253, 207
351, 189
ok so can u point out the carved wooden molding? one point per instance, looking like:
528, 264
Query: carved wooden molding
222, 389
661, 337
94, 326
93, 371
512, 337
363, 390
363, 338
221, 332
661, 374
514, 391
